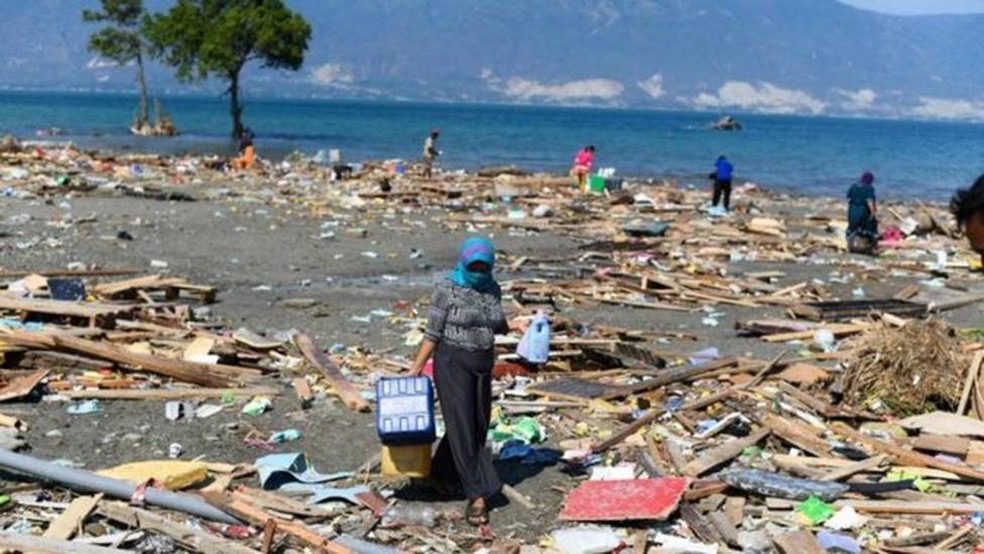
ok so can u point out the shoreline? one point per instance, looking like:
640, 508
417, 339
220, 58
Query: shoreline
692, 183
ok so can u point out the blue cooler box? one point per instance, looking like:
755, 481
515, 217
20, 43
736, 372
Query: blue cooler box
405, 410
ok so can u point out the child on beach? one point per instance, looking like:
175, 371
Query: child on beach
967, 206
862, 222
582, 166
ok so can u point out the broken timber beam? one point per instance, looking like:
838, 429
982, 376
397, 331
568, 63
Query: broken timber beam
349, 395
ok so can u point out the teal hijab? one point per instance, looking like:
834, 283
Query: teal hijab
473, 250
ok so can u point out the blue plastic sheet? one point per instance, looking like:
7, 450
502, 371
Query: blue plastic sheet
277, 470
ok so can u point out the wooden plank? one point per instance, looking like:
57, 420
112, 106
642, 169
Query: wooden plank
841, 330
67, 524
114, 288
192, 537
637, 304
847, 471
908, 457
44, 545
199, 374
724, 453
349, 395
303, 391
63, 307
975, 453
69, 273
975, 366
169, 394
909, 507
571, 388
724, 527
23, 385
257, 517
798, 542
797, 434
671, 376
940, 443
515, 496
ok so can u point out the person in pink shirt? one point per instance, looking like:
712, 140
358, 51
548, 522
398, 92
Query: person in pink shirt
582, 165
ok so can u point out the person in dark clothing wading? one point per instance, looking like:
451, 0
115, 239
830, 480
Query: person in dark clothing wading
465, 315
722, 181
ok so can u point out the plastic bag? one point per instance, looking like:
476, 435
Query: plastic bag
535, 345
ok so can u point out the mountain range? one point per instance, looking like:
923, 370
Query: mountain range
772, 56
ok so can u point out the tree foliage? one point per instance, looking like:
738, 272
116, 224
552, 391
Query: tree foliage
120, 40
203, 38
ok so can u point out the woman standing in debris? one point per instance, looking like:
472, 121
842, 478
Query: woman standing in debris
465, 315
582, 166
862, 209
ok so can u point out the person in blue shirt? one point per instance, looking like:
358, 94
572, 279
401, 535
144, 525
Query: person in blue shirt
722, 181
862, 211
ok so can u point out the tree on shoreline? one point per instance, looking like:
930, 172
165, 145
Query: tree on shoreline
202, 38
121, 41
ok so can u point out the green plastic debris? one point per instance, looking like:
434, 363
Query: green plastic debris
896, 475
525, 429
227, 398
752, 452
815, 511
257, 405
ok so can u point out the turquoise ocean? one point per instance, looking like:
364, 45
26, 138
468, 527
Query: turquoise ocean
805, 155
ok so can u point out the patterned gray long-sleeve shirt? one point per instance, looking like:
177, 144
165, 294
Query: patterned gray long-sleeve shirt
465, 318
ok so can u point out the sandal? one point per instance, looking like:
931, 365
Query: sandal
477, 515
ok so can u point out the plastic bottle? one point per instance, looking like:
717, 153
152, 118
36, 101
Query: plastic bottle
286, 435
824, 340
409, 516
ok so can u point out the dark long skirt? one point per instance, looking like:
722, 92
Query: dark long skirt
464, 386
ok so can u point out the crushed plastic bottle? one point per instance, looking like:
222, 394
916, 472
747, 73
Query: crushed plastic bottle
824, 340
409, 516
285, 436
257, 405
86, 407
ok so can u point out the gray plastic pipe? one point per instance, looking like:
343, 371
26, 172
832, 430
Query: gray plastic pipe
90, 482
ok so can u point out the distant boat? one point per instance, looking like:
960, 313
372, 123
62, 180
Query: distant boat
727, 123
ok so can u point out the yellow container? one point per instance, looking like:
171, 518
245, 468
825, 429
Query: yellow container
408, 461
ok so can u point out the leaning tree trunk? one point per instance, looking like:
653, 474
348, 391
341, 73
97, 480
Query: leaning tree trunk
235, 108
142, 91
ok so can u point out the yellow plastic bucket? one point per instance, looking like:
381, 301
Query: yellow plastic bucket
408, 461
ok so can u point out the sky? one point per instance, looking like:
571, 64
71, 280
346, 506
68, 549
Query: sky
915, 7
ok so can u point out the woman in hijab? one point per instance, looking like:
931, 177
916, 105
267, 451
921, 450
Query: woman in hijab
862, 209
465, 315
